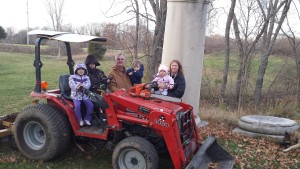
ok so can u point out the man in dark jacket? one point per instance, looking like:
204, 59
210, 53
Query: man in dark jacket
96, 75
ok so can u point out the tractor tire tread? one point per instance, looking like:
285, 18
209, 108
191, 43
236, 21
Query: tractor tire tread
140, 144
57, 128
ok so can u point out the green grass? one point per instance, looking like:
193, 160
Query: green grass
280, 76
16, 72
215, 63
18, 78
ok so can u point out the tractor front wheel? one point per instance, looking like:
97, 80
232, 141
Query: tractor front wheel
42, 132
135, 153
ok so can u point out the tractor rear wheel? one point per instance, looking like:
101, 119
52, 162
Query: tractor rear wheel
42, 132
135, 153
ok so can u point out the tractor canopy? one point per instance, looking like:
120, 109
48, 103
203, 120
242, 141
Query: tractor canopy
66, 38
70, 37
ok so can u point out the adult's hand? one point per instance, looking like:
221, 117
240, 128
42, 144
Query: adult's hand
161, 86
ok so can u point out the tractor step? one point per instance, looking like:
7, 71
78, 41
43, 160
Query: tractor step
92, 129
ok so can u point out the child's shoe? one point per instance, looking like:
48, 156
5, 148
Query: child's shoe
81, 123
87, 123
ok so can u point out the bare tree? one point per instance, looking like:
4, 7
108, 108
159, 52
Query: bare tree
245, 29
10, 31
253, 23
137, 26
160, 10
227, 49
147, 36
242, 63
127, 35
270, 36
55, 9
110, 30
295, 44
135, 8
91, 29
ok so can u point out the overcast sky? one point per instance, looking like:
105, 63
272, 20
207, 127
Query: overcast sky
13, 13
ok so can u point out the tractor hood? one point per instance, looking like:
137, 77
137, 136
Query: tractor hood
151, 104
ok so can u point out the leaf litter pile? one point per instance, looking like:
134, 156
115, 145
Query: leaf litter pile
251, 153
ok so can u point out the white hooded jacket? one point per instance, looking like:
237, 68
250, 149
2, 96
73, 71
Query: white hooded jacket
76, 80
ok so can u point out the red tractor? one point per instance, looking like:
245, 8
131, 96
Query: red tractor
141, 124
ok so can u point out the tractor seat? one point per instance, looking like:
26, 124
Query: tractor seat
64, 87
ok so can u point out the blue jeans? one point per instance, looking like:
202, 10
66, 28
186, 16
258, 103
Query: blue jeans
89, 109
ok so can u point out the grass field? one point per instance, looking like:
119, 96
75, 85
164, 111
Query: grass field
16, 72
18, 78
279, 72
17, 82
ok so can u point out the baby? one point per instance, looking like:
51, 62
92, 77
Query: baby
164, 78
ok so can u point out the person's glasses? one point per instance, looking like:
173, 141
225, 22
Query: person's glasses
120, 58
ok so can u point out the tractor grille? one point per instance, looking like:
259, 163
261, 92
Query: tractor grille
186, 131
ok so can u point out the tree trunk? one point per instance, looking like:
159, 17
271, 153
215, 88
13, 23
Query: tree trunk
241, 56
271, 38
59, 49
147, 24
298, 81
227, 49
153, 61
137, 26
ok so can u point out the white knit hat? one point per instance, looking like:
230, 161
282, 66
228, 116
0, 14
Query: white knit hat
163, 67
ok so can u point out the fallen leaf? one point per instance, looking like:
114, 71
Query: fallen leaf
12, 159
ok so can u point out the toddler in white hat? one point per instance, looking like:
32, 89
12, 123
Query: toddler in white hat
163, 77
